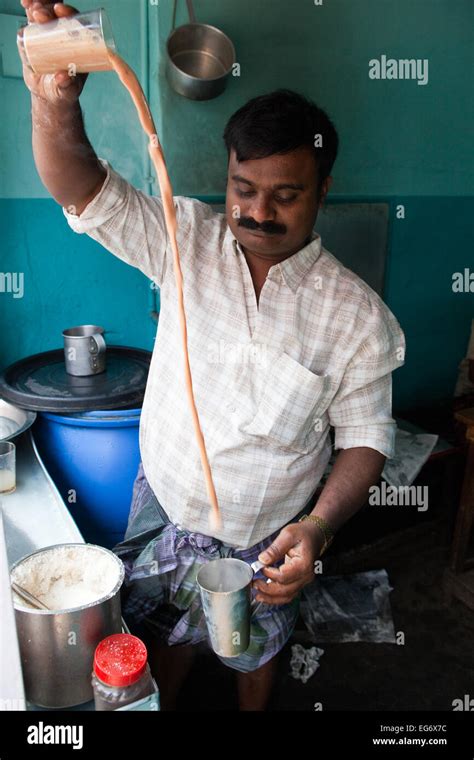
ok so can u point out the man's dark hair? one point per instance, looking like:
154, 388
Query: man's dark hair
280, 122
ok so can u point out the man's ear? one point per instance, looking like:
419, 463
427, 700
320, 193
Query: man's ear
324, 190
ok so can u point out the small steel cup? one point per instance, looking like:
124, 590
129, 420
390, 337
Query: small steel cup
225, 587
84, 350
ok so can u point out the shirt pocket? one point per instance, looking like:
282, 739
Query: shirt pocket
292, 405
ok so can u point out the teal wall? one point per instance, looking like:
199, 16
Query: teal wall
399, 141
69, 279
397, 137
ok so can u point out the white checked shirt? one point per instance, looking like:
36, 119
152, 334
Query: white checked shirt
269, 379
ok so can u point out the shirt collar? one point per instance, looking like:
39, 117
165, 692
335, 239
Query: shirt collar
295, 268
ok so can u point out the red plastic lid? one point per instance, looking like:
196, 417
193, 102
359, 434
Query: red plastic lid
120, 660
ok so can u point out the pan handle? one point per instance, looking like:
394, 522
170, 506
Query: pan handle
192, 15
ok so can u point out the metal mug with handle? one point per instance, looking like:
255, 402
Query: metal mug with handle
225, 587
84, 350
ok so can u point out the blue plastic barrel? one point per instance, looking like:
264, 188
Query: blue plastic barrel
93, 458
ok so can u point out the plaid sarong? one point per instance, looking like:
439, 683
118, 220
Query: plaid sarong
160, 589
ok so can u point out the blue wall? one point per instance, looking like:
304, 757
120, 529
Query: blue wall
400, 141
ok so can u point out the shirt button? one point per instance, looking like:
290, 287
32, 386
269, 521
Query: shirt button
231, 408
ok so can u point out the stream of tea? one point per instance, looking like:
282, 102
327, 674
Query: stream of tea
129, 80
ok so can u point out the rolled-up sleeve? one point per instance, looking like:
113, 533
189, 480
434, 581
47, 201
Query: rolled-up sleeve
128, 223
361, 411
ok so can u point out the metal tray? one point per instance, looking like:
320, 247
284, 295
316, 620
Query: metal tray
34, 515
19, 419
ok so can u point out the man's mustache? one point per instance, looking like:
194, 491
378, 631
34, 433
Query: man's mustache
270, 228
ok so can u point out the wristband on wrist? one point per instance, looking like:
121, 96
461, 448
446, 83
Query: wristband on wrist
325, 529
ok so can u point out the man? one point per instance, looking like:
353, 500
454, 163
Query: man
284, 343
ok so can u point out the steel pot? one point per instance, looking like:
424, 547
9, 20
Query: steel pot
57, 646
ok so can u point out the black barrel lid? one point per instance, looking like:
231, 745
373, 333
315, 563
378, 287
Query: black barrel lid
41, 383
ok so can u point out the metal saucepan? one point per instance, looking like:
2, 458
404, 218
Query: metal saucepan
200, 58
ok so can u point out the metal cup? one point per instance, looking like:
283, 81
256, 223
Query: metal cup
225, 587
84, 350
